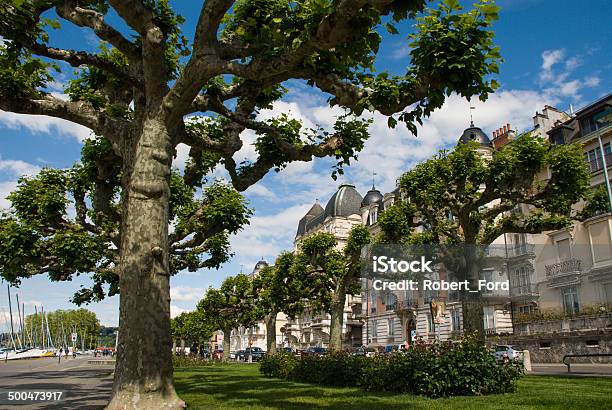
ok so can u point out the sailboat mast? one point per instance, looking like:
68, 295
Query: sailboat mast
20, 321
8, 288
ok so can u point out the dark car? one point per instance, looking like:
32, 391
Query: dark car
257, 353
316, 351
240, 355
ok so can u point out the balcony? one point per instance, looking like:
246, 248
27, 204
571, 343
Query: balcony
522, 250
597, 164
566, 267
564, 273
529, 289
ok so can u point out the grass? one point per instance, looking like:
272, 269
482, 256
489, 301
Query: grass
241, 386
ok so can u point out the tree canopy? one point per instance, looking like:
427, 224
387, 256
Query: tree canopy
67, 222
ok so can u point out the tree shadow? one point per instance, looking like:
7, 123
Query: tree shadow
250, 390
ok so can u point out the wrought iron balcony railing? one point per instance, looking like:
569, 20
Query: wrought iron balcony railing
566, 267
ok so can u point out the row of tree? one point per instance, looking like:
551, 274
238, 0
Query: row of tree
60, 324
457, 198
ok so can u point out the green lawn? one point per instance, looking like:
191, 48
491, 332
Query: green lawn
241, 386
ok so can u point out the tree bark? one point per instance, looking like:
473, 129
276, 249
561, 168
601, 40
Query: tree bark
337, 318
271, 332
472, 304
226, 345
143, 374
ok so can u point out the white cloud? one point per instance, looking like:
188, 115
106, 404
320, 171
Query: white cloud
6, 188
43, 124
175, 311
592, 81
17, 167
558, 82
186, 293
549, 59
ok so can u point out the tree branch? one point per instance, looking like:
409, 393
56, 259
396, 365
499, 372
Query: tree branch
82, 17
79, 112
80, 58
135, 13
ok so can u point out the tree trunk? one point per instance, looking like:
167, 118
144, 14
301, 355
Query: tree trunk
226, 345
143, 374
271, 332
337, 318
472, 304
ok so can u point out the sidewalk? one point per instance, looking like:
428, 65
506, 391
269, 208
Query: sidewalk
577, 369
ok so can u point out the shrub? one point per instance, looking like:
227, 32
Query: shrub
278, 365
444, 369
332, 369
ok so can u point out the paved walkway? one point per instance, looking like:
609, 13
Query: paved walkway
84, 385
578, 369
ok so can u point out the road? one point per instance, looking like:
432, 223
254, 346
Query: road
84, 386
578, 369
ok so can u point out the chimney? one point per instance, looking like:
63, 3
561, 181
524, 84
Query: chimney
494, 134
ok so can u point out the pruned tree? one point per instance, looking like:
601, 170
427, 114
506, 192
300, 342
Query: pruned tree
279, 289
229, 307
147, 78
463, 198
191, 327
331, 274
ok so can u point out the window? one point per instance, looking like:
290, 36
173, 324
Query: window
489, 317
557, 137
456, 319
373, 216
522, 280
408, 297
588, 125
373, 301
571, 306
430, 324
391, 327
391, 303
374, 328
564, 249
594, 159
526, 309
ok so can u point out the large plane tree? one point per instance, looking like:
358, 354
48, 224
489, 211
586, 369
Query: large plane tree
147, 78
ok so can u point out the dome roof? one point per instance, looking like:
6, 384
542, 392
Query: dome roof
260, 265
373, 196
346, 201
475, 134
314, 211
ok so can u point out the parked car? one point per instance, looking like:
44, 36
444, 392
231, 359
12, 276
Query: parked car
217, 354
316, 351
392, 349
508, 352
233, 355
257, 353
240, 355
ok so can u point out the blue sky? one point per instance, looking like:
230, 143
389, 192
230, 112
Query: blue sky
555, 52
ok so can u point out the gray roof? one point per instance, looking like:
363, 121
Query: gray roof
475, 134
371, 197
313, 213
346, 201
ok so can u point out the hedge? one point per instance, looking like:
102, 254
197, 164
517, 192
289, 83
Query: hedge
439, 370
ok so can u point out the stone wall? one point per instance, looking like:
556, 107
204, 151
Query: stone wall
548, 341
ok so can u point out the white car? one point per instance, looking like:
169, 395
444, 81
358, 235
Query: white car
508, 352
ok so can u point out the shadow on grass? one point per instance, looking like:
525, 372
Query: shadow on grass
235, 386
